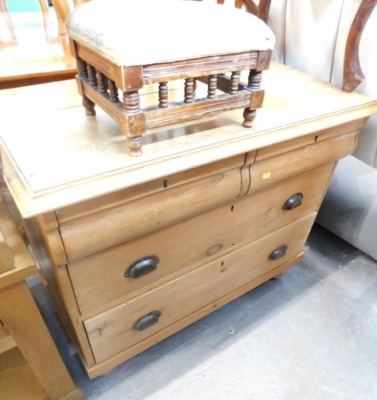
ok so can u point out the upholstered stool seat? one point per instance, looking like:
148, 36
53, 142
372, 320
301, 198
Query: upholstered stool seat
121, 46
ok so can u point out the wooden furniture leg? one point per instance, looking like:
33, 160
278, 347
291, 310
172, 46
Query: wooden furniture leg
21, 317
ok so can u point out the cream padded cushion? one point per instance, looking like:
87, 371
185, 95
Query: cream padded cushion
141, 32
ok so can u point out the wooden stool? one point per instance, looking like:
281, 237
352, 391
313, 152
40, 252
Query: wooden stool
123, 46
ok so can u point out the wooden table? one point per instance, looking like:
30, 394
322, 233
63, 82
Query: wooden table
30, 364
135, 249
35, 50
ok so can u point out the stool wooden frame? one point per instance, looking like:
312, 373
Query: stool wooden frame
99, 81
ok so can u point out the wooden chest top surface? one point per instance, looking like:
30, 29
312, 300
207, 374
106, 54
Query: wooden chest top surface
54, 155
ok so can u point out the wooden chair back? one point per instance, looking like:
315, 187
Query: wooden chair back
63, 7
352, 73
260, 9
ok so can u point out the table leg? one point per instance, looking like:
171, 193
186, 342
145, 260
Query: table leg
21, 317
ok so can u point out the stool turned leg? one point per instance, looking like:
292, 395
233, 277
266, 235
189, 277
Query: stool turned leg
248, 114
88, 105
92, 79
134, 145
248, 117
83, 74
134, 122
254, 82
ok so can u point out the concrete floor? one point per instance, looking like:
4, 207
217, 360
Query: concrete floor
310, 335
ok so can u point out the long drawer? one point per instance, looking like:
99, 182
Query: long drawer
270, 168
103, 280
98, 224
138, 319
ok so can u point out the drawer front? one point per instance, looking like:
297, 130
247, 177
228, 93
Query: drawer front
267, 171
103, 280
300, 142
94, 226
132, 322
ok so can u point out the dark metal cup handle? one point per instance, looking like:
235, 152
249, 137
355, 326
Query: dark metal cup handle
293, 202
141, 267
147, 320
278, 253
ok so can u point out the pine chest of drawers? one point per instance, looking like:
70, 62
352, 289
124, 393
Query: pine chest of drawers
134, 250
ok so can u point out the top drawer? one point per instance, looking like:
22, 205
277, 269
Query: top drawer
271, 167
95, 225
